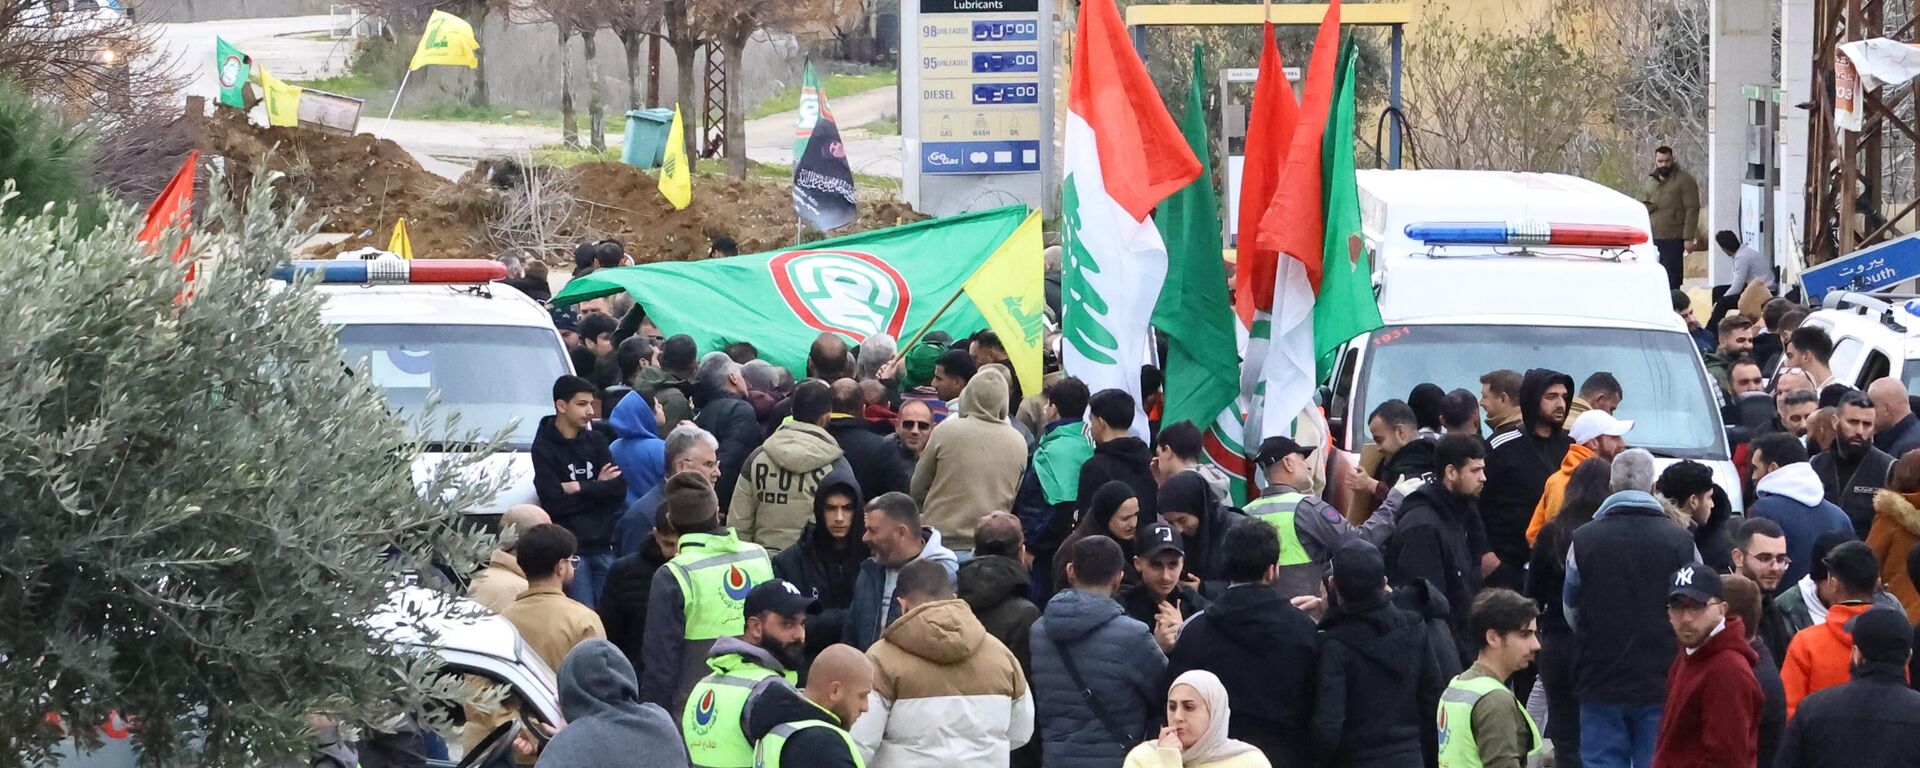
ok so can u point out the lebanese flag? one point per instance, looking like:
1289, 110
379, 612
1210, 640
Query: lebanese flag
1294, 227
1124, 154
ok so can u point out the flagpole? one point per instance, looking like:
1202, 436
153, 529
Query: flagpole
396, 99
930, 321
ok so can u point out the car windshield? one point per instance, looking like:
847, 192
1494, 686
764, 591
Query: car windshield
1665, 391
488, 376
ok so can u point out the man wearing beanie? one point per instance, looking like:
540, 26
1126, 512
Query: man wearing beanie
1378, 683
1712, 714
1873, 720
705, 598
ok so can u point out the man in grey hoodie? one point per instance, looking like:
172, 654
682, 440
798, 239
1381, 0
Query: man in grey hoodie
896, 537
600, 699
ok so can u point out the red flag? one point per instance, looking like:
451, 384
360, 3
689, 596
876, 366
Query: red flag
174, 207
1295, 222
1143, 156
1270, 125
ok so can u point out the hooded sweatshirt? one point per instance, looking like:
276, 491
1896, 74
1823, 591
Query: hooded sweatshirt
995, 588
1712, 715
1793, 497
776, 705
1266, 652
639, 451
774, 498
1119, 664
1554, 493
605, 720
945, 693
1518, 468
1821, 656
1378, 683
589, 513
1124, 459
973, 462
819, 564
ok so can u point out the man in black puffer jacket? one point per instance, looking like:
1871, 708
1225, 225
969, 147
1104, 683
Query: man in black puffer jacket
1263, 649
623, 604
1378, 681
1518, 468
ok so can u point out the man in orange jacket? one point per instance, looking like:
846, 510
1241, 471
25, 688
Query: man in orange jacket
1595, 433
1821, 656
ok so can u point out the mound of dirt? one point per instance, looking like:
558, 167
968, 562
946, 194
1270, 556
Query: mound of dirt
361, 185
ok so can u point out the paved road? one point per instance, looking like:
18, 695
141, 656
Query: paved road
448, 148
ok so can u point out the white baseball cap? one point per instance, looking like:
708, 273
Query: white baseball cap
1595, 423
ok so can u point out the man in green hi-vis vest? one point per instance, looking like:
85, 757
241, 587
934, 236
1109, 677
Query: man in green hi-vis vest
795, 729
1310, 528
766, 653
1480, 723
700, 596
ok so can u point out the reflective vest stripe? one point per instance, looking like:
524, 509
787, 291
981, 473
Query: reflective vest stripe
766, 754
713, 720
1278, 511
1458, 747
726, 559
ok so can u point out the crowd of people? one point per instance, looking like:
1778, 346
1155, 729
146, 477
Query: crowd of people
899, 558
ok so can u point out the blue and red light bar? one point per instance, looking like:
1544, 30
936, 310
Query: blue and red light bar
394, 271
1524, 233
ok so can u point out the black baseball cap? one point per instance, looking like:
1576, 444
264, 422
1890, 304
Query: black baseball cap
1156, 538
1696, 582
1273, 449
1881, 635
782, 597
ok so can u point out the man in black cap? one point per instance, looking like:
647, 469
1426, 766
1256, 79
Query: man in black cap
1160, 601
1378, 683
1712, 713
767, 653
1310, 528
1873, 720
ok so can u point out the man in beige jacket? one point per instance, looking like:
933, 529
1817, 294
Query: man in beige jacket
501, 581
547, 619
973, 462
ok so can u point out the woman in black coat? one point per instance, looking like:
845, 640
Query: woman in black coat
1114, 512
1187, 503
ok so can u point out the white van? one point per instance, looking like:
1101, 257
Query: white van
1481, 270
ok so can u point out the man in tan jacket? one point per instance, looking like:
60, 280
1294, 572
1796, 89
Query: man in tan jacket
547, 619
973, 463
773, 499
501, 581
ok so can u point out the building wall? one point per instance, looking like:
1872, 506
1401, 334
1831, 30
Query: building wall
182, 11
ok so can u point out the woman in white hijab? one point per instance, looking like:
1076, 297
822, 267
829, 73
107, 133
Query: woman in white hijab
1196, 732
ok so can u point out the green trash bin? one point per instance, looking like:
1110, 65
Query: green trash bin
646, 137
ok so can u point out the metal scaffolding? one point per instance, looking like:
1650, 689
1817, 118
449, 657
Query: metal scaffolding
1859, 183
713, 113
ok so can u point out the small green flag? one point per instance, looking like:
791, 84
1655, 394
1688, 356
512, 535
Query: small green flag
1346, 306
1194, 309
233, 67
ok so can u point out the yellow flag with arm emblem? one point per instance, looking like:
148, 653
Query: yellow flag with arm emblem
448, 40
1008, 291
282, 100
676, 178
400, 243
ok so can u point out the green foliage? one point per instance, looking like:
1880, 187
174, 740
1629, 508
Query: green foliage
203, 507
49, 160
836, 85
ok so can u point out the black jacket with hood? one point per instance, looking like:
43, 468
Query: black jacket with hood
1518, 468
1434, 544
995, 588
600, 699
1265, 652
867, 452
731, 420
623, 604
1124, 459
1378, 682
591, 513
824, 567
776, 705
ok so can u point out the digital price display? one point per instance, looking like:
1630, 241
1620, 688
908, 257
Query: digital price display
1006, 31
1006, 93
994, 62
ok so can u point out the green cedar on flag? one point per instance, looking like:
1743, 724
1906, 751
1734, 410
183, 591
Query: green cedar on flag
1346, 306
885, 281
1203, 361
232, 66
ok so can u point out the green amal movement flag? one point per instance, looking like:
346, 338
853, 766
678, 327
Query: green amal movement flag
1203, 360
888, 281
1346, 306
232, 66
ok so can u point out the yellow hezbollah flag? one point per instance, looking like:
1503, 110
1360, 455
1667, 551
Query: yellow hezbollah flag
676, 180
1007, 290
448, 40
282, 100
400, 243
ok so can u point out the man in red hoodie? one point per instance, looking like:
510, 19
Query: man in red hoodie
1821, 656
1712, 716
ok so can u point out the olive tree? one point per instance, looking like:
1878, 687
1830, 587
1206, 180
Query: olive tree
200, 505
